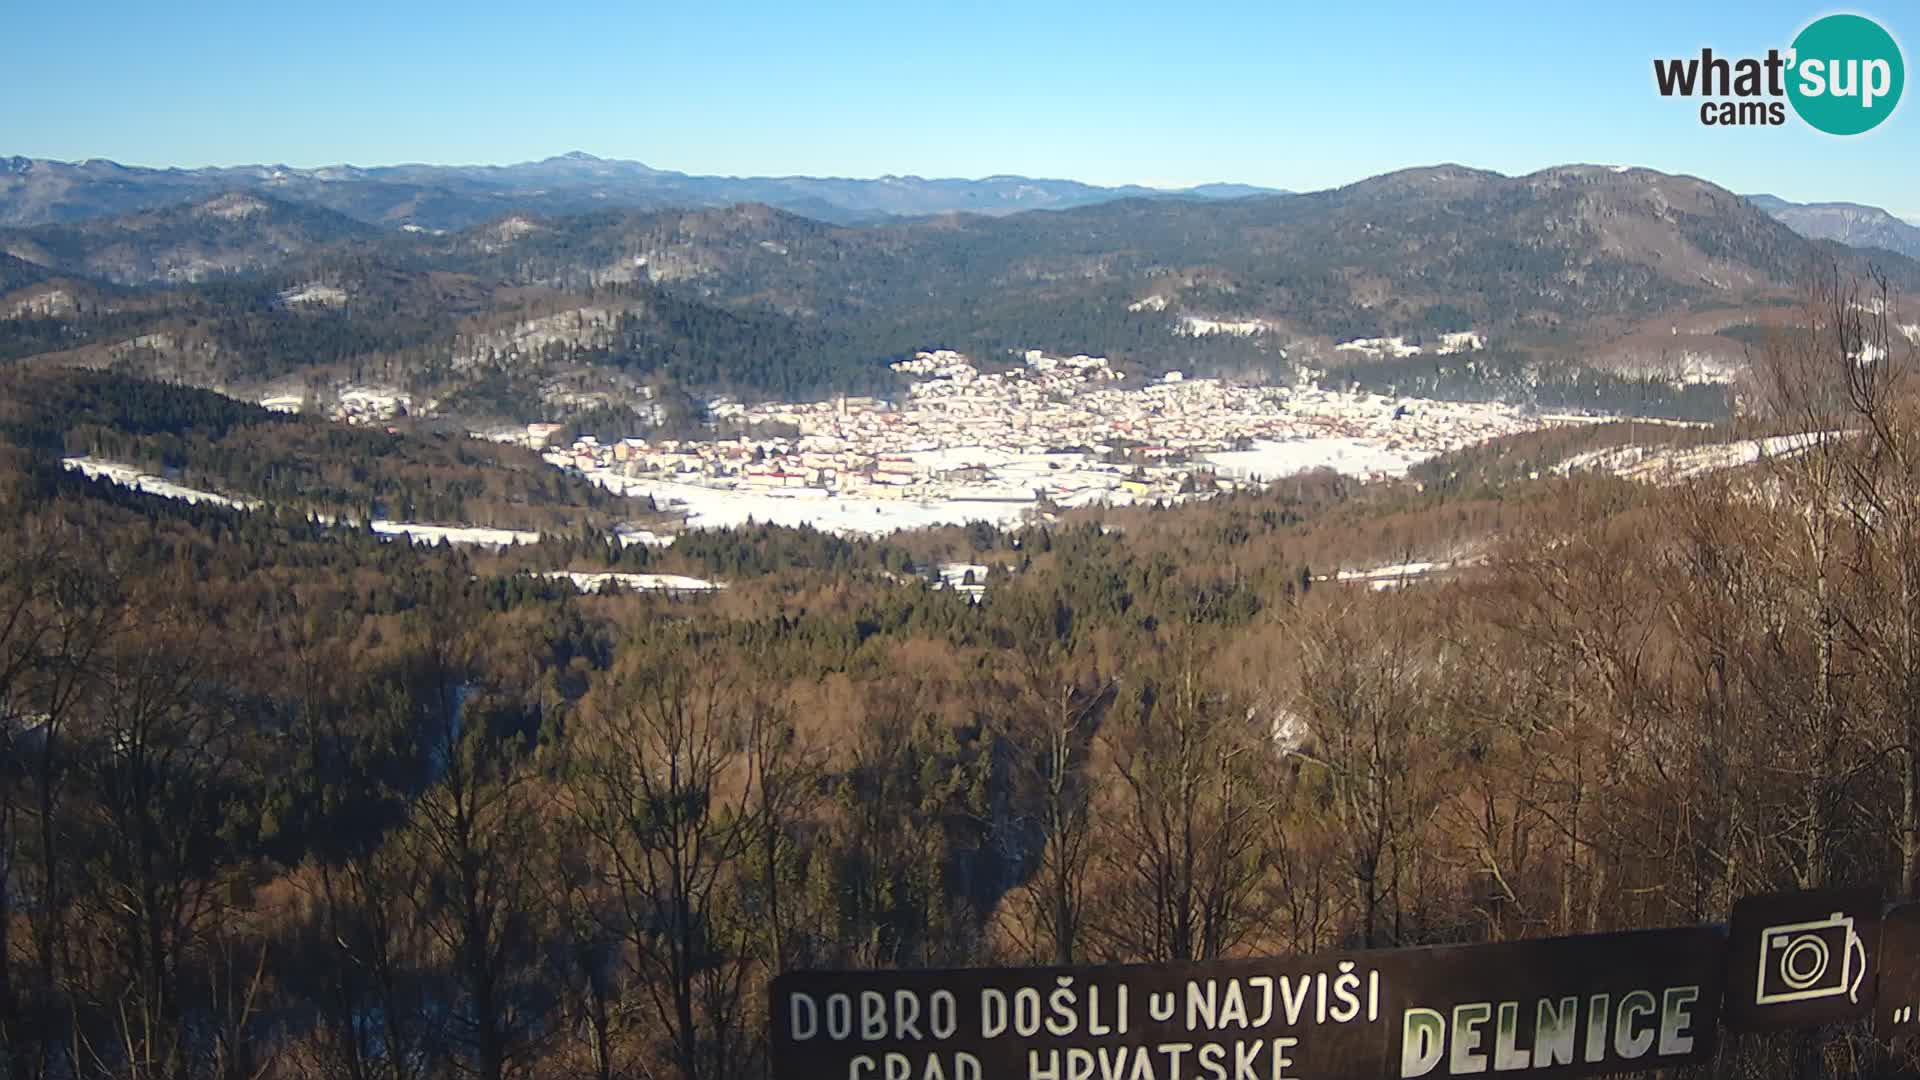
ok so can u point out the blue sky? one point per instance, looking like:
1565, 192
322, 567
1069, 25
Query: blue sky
1272, 92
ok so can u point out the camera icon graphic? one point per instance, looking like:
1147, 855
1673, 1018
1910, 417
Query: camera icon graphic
1810, 960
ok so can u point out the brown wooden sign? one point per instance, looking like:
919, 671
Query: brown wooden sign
1801, 959
1897, 1014
1556, 1007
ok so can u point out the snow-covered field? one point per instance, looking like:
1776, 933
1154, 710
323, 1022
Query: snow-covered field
716, 508
1350, 456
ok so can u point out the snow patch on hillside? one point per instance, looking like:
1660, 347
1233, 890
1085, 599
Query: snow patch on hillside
643, 537
455, 534
371, 404
130, 476
1668, 464
51, 304
513, 228
590, 326
505, 232
314, 292
1375, 348
1397, 570
161, 342
1397, 348
1350, 456
969, 579
232, 207
1195, 326
590, 582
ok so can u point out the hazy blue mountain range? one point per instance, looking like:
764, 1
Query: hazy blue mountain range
39, 192
1849, 223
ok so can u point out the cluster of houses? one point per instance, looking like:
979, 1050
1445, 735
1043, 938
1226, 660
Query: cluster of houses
1068, 429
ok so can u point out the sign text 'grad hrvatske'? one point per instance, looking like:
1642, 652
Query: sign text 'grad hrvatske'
1560, 1007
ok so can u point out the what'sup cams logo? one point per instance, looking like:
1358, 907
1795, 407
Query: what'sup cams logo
1843, 75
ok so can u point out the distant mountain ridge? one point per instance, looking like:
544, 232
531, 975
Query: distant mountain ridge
36, 191
1636, 274
1852, 224
1564, 254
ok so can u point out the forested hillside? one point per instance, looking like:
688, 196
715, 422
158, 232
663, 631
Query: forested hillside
278, 800
1565, 272
297, 465
228, 234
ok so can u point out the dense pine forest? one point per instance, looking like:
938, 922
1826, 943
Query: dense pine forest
282, 800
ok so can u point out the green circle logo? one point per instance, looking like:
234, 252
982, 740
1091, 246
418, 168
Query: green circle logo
1847, 74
